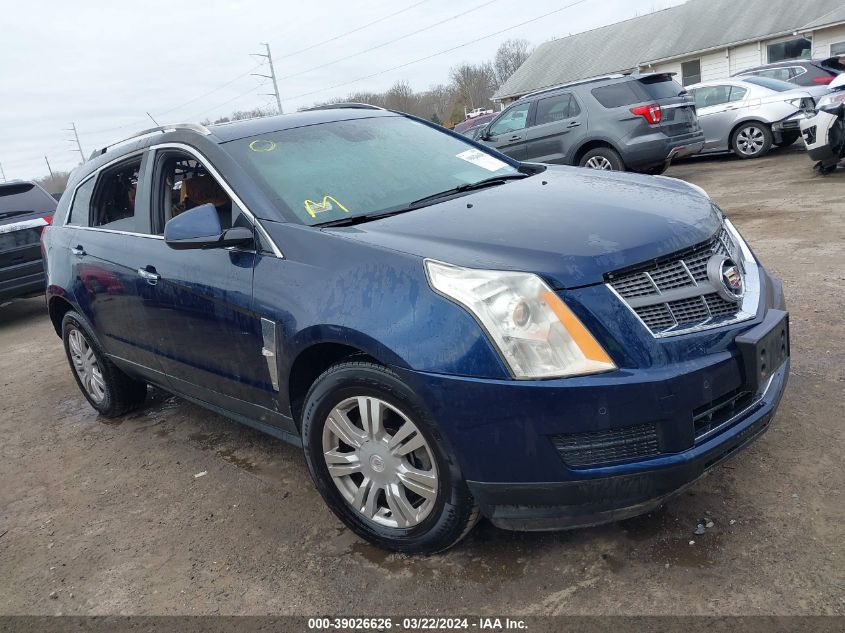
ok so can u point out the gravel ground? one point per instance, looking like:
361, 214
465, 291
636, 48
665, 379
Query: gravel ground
106, 517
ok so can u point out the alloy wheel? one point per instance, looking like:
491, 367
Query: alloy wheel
599, 162
750, 140
380, 462
86, 365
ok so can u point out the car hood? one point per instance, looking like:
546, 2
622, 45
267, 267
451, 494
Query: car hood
569, 225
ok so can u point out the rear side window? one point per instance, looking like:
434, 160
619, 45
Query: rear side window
708, 96
618, 95
25, 197
80, 210
557, 108
114, 200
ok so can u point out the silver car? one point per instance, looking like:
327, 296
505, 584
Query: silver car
750, 114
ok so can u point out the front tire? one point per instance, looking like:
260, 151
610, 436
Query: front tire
603, 158
380, 463
110, 391
752, 140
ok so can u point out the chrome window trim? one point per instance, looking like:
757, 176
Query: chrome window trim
115, 231
96, 174
235, 198
750, 300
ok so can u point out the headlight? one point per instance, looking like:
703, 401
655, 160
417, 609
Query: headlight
536, 333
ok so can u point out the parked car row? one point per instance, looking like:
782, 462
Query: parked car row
642, 122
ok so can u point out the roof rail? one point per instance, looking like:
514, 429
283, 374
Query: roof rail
193, 127
573, 83
351, 105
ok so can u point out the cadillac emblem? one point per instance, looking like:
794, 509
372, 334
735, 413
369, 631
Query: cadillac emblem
726, 277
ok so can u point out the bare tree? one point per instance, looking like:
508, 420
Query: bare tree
510, 56
474, 84
401, 97
55, 183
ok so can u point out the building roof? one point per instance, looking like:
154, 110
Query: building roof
695, 26
836, 16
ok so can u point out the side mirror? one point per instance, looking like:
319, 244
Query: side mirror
200, 228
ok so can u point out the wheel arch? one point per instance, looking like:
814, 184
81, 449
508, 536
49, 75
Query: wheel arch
57, 308
589, 146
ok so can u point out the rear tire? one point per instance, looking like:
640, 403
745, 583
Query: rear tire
358, 419
603, 158
110, 391
752, 140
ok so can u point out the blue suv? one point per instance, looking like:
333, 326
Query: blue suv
447, 332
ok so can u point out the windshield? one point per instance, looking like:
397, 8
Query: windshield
772, 84
345, 169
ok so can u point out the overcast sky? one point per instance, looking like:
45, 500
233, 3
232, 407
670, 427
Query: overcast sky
103, 65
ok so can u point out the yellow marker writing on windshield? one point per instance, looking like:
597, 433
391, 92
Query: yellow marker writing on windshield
328, 203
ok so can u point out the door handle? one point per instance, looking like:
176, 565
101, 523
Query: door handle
149, 273
574, 124
78, 251
515, 137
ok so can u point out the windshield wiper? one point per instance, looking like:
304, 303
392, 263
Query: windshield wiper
427, 200
470, 186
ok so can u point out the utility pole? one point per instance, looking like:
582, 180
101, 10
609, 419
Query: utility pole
2, 173
50, 169
271, 76
76, 137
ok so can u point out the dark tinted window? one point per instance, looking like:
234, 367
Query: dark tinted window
557, 108
691, 72
661, 87
25, 197
618, 95
800, 48
114, 201
79, 212
771, 84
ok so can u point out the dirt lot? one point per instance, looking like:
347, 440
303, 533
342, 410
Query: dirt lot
102, 516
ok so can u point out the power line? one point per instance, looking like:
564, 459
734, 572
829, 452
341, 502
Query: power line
393, 41
272, 75
360, 28
76, 138
443, 52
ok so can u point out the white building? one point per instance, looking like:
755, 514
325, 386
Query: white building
699, 40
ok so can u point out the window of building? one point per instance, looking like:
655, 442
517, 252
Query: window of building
799, 48
114, 200
80, 211
691, 72
837, 49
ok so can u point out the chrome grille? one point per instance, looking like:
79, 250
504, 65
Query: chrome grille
676, 295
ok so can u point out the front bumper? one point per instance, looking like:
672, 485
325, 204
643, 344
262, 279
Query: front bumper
816, 133
510, 437
581, 503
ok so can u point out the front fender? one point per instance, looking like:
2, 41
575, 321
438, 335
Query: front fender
330, 289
